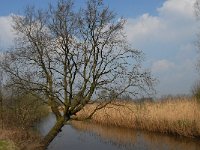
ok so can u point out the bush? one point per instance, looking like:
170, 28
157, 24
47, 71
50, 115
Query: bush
196, 90
23, 111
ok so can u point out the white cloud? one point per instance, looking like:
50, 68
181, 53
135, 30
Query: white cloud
178, 80
175, 21
142, 27
162, 65
6, 34
167, 39
177, 9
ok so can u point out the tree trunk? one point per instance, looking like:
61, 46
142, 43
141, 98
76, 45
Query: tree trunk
53, 132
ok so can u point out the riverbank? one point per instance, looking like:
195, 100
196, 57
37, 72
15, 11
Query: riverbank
18, 116
172, 116
16, 139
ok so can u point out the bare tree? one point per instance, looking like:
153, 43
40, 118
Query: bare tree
69, 56
1, 97
196, 87
196, 90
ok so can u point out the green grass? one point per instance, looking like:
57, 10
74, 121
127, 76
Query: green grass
7, 145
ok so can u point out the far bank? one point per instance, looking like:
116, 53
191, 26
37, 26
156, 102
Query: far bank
180, 116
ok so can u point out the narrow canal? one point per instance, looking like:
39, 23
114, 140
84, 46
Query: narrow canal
87, 136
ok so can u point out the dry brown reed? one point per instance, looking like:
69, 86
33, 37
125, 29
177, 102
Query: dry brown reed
179, 117
21, 138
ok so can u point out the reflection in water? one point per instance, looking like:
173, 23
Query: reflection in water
113, 135
137, 139
84, 135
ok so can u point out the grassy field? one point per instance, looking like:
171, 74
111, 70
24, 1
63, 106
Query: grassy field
173, 116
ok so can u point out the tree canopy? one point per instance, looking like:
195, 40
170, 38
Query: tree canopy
69, 56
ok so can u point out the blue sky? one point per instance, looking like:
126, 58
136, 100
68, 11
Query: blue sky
127, 8
164, 29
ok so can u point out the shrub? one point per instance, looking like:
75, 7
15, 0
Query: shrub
23, 111
196, 90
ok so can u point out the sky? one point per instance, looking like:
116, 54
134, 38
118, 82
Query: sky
165, 30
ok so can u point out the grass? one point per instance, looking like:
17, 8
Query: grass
20, 138
173, 116
7, 145
18, 119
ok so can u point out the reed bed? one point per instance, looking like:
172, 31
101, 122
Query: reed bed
178, 117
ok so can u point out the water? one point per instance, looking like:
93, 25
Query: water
87, 136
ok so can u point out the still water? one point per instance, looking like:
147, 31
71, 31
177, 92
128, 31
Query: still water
87, 136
